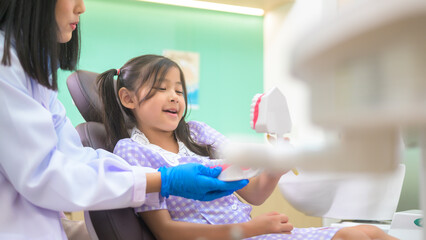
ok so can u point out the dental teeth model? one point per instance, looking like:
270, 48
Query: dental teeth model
269, 114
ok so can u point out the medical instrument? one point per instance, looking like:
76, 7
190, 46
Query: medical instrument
407, 225
269, 114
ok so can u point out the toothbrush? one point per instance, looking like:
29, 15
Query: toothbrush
269, 114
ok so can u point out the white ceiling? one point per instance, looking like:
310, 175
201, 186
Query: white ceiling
263, 4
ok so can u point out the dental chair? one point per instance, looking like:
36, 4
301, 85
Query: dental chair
112, 224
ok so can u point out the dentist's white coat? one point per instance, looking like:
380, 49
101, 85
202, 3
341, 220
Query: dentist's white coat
44, 168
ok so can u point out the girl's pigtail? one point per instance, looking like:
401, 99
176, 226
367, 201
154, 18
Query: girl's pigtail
112, 115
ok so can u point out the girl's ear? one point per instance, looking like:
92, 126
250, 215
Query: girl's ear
127, 98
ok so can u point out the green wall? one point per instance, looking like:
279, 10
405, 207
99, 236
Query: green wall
409, 198
230, 48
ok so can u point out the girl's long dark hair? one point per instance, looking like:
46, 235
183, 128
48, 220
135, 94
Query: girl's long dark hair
30, 28
146, 70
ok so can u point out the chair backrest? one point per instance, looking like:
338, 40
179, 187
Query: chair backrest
104, 224
84, 92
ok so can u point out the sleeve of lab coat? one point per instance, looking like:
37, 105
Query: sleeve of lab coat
42, 156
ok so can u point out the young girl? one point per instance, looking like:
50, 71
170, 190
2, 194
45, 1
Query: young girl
44, 169
151, 92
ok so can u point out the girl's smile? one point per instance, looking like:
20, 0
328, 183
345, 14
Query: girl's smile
171, 112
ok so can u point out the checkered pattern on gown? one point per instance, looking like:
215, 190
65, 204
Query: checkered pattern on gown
321, 233
138, 151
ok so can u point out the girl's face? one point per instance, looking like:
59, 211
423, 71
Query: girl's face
164, 110
67, 14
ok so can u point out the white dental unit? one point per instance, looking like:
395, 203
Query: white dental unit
367, 77
366, 71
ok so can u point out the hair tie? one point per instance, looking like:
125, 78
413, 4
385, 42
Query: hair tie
118, 71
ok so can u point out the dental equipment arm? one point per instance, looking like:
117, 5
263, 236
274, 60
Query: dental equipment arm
354, 152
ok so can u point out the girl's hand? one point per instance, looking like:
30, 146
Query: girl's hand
273, 140
272, 222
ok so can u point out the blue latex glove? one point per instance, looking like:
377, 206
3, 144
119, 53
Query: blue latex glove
195, 181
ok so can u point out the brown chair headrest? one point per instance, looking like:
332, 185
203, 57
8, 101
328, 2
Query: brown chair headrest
84, 92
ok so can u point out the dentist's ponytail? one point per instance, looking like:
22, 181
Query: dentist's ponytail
113, 118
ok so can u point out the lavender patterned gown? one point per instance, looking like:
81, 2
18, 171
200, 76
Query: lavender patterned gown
138, 151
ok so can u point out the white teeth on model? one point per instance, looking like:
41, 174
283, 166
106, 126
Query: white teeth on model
255, 99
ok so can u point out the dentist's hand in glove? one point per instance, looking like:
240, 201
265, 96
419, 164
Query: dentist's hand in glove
195, 181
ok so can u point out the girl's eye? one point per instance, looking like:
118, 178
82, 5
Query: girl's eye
179, 92
160, 89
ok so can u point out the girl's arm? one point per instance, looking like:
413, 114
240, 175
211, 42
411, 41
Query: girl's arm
164, 228
260, 187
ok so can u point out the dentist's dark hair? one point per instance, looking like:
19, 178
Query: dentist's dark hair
30, 28
142, 71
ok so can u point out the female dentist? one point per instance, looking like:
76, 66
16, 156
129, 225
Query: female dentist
44, 169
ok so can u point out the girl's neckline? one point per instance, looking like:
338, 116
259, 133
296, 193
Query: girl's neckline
139, 137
